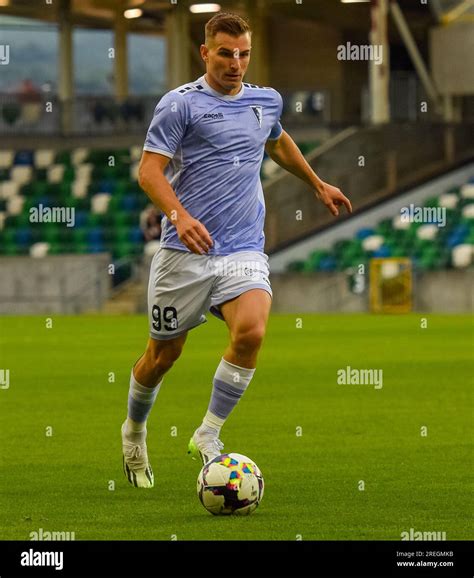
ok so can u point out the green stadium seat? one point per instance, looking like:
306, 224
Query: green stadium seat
384, 228
454, 190
99, 220
11, 249
69, 174
431, 202
54, 249
79, 248
65, 189
121, 233
296, 266
79, 236
122, 218
51, 232
123, 249
11, 221
63, 158
79, 204
23, 219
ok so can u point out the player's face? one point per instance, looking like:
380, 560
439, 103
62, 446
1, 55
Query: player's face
227, 59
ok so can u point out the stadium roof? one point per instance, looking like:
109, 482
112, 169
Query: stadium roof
101, 13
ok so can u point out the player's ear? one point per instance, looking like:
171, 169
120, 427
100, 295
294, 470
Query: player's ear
204, 50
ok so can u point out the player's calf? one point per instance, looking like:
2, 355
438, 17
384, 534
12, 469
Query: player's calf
157, 359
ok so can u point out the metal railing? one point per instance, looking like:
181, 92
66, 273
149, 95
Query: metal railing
84, 115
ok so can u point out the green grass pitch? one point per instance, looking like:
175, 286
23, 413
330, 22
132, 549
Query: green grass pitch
315, 440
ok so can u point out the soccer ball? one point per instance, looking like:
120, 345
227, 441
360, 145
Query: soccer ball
230, 484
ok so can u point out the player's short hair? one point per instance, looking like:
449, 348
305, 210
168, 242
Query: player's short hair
231, 24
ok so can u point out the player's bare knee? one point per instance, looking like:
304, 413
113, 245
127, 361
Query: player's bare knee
249, 339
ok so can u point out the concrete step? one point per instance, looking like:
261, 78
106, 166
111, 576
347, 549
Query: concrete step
126, 299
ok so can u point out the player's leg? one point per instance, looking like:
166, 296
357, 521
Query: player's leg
145, 382
178, 296
246, 317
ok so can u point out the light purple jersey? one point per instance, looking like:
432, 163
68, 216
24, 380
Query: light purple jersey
216, 144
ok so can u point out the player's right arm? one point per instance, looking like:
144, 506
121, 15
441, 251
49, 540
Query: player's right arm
151, 178
165, 134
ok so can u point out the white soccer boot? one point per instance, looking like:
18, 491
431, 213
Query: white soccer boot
136, 466
204, 446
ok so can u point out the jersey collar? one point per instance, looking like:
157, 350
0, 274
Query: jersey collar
210, 90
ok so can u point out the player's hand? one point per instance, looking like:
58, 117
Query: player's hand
193, 234
333, 198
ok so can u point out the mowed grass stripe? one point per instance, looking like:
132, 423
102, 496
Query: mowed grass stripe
314, 439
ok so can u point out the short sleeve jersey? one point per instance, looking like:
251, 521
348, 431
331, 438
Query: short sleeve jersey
216, 146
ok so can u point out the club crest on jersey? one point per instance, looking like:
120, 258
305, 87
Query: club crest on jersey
258, 111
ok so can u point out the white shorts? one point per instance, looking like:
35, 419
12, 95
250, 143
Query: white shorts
184, 286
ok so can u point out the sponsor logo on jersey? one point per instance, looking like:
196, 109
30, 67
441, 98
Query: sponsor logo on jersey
214, 115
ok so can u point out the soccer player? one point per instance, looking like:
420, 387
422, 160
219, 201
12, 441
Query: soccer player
201, 167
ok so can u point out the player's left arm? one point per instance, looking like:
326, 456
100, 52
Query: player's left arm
286, 153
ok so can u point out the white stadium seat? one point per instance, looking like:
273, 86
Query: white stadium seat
467, 191
84, 171
427, 232
151, 248
468, 211
21, 174
448, 200
100, 203
44, 158
15, 205
39, 250
461, 256
372, 243
55, 173
134, 171
136, 153
6, 159
79, 189
8, 189
399, 223
79, 155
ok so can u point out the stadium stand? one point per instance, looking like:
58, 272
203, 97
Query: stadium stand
101, 186
432, 245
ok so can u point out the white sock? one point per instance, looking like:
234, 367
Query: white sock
211, 424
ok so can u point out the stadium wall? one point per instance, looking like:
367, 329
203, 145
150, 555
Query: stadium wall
57, 284
434, 292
